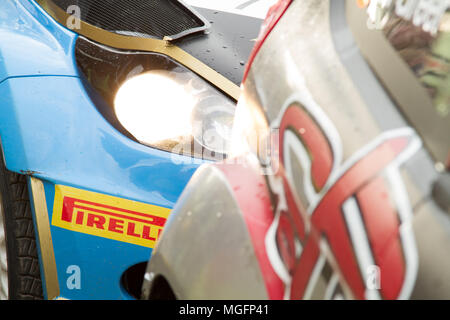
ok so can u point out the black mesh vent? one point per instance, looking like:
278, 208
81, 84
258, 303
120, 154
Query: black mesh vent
139, 18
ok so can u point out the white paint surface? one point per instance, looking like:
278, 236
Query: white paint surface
253, 8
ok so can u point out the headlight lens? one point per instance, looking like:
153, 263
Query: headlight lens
166, 109
154, 108
157, 101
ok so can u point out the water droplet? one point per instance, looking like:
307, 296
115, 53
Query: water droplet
440, 167
241, 63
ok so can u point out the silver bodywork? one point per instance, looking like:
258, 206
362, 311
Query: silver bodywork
310, 58
208, 253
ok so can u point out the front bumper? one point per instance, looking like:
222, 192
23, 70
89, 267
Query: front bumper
51, 131
55, 134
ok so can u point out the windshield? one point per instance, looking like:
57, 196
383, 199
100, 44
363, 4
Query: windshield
407, 44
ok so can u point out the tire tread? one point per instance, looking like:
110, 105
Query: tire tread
23, 261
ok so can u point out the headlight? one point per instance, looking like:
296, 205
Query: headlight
154, 108
168, 109
157, 101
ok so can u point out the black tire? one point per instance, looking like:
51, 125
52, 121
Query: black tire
22, 264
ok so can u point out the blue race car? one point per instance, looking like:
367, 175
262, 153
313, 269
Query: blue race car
106, 110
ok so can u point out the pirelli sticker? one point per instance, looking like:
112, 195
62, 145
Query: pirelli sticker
107, 216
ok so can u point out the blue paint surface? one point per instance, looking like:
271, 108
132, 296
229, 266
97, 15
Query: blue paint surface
49, 127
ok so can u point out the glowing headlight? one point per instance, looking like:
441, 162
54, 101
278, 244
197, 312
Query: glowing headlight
153, 99
154, 108
169, 109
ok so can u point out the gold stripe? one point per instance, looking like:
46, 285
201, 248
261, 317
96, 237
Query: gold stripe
145, 44
45, 238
